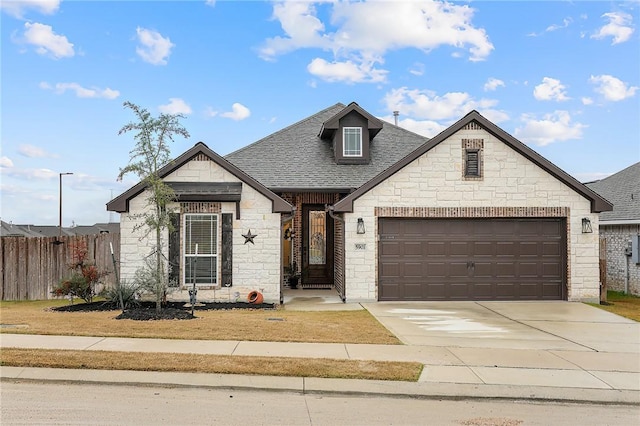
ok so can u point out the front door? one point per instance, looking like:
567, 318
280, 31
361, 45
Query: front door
317, 247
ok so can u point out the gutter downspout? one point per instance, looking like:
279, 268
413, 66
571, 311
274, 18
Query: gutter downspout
329, 210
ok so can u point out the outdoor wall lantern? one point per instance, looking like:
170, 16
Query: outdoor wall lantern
586, 226
360, 229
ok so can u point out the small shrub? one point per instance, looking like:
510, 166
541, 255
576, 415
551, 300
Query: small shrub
74, 286
122, 295
84, 276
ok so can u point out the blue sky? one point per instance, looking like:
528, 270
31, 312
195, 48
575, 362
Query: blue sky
562, 77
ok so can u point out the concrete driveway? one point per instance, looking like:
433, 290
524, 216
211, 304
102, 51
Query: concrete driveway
547, 344
509, 325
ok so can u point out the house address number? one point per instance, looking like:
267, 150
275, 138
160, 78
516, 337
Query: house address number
360, 246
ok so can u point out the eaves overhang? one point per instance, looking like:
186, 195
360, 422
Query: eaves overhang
120, 204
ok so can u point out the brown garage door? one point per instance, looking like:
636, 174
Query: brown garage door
472, 259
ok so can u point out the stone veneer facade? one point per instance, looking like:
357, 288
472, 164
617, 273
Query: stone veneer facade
433, 185
255, 266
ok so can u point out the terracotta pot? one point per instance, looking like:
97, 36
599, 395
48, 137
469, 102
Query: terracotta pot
255, 297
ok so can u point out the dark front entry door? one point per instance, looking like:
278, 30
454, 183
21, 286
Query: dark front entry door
317, 247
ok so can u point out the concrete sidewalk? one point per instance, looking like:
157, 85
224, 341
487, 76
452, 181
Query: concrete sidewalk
450, 372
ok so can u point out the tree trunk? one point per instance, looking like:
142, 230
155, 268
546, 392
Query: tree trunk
159, 280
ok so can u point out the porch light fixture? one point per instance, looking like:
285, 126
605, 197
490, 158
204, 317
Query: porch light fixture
360, 229
586, 226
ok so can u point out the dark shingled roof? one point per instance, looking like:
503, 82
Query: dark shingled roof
295, 158
623, 190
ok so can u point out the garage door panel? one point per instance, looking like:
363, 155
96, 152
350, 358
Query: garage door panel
505, 269
458, 248
389, 248
506, 248
528, 249
389, 269
551, 249
458, 270
551, 270
472, 259
413, 270
484, 248
436, 248
483, 269
436, 270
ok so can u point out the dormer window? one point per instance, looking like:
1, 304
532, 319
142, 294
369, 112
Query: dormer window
352, 137
351, 133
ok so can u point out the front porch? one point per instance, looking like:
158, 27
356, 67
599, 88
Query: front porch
316, 300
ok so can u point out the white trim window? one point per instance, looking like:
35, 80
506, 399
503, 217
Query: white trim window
200, 253
352, 141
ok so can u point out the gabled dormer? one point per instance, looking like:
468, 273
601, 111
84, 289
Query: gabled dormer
351, 132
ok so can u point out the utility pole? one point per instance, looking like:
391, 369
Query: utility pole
60, 215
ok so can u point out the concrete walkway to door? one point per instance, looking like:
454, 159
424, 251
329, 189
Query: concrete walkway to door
518, 343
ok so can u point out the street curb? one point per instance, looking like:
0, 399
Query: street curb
322, 386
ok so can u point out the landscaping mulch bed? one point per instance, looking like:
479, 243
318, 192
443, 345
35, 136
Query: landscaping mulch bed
146, 311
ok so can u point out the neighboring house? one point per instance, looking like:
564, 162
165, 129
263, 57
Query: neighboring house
376, 212
11, 230
619, 226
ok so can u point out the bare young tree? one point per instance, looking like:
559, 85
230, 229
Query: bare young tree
150, 154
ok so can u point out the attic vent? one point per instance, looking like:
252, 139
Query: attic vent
472, 163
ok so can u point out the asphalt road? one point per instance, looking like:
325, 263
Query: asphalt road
51, 403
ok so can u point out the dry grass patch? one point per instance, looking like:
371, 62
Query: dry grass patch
625, 305
251, 325
221, 364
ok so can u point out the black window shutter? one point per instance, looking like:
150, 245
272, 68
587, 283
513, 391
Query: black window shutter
174, 251
227, 249
473, 163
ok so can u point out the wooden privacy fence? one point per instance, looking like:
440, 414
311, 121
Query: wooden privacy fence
31, 266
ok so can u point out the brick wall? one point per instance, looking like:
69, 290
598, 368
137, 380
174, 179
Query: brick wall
617, 237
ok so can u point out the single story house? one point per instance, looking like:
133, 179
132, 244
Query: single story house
619, 227
345, 201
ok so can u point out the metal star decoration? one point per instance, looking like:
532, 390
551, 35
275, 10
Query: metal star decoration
248, 237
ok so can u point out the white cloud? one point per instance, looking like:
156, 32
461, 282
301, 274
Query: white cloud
81, 92
586, 101
492, 84
32, 151
30, 174
46, 41
18, 8
428, 128
427, 105
424, 25
153, 48
238, 112
175, 106
210, 112
553, 127
6, 162
611, 88
417, 69
553, 27
550, 90
348, 71
619, 27
210, 2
